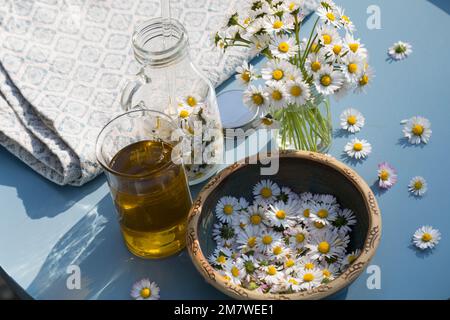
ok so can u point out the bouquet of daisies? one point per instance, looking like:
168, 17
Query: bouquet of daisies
283, 242
300, 74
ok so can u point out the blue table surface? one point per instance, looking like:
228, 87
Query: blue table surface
44, 228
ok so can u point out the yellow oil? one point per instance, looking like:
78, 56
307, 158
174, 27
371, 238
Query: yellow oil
152, 198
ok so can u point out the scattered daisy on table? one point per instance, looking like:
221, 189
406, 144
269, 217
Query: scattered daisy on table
400, 50
387, 175
418, 186
417, 130
352, 120
426, 237
358, 149
145, 289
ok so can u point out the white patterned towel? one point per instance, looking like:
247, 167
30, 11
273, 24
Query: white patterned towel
63, 62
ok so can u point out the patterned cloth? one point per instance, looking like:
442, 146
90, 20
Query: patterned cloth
62, 64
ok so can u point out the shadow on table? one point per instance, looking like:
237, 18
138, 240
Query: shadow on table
442, 4
34, 190
107, 269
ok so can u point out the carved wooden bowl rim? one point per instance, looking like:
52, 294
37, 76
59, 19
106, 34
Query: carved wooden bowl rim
370, 244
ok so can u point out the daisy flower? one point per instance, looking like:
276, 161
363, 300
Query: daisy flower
298, 91
292, 283
220, 256
354, 45
250, 264
417, 130
310, 278
387, 175
350, 258
280, 213
365, 79
286, 195
266, 190
324, 213
328, 15
426, 237
345, 21
399, 50
256, 98
326, 199
145, 290
247, 239
275, 70
234, 272
277, 94
254, 217
278, 253
306, 263
224, 234
191, 100
268, 240
334, 51
327, 244
271, 274
343, 221
358, 149
329, 271
245, 73
352, 120
352, 67
283, 47
304, 212
290, 265
327, 80
227, 209
298, 237
328, 35
267, 122
275, 24
184, 112
292, 5
258, 43
418, 186
315, 61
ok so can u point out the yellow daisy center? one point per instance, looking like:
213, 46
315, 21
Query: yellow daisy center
251, 242
309, 266
384, 175
283, 47
255, 219
353, 47
426, 237
278, 24
276, 95
346, 19
337, 49
257, 99
266, 192
417, 129
221, 259
357, 146
352, 68
228, 209
325, 80
245, 76
323, 247
184, 114
280, 214
277, 74
308, 277
289, 263
364, 80
293, 281
277, 250
315, 66
318, 225
326, 273
331, 16
145, 293
247, 20
299, 237
235, 272
291, 6
351, 120
296, 91
267, 239
191, 101
271, 270
418, 185
306, 213
326, 39
322, 213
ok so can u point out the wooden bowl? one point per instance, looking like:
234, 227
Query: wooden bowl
301, 171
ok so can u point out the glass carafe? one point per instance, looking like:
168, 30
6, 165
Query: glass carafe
170, 82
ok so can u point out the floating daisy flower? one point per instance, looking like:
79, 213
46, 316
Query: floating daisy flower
387, 175
266, 190
254, 217
292, 283
426, 237
283, 47
256, 98
310, 278
245, 73
344, 220
327, 80
358, 149
279, 252
275, 70
247, 239
298, 237
280, 213
418, 186
417, 130
145, 290
290, 265
224, 234
324, 213
271, 274
327, 244
350, 258
220, 256
352, 120
234, 272
400, 50
227, 209
298, 91
286, 195
268, 240
277, 94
